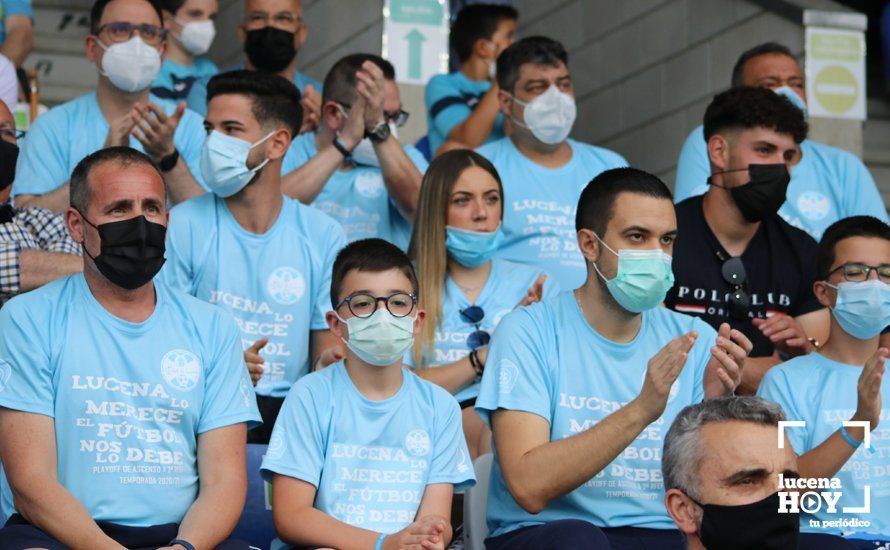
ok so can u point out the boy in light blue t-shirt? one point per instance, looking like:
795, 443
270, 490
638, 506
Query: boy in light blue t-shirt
844, 381
365, 453
190, 32
579, 390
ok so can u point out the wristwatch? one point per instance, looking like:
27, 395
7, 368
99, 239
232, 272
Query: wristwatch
169, 162
380, 133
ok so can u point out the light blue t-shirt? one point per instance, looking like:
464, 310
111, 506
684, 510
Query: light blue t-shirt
357, 197
128, 400
13, 7
540, 206
828, 184
64, 135
546, 360
175, 81
823, 393
450, 99
277, 284
507, 284
197, 97
370, 461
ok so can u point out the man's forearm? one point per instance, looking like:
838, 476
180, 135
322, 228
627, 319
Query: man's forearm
181, 184
306, 182
56, 200
537, 481
39, 267
752, 374
50, 507
401, 176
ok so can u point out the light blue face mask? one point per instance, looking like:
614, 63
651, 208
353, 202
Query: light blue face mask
862, 309
791, 95
643, 279
472, 248
224, 163
380, 339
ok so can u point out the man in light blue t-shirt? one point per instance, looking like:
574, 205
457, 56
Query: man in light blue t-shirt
827, 184
370, 185
190, 32
271, 34
120, 112
579, 390
845, 380
365, 453
543, 171
111, 382
246, 247
462, 107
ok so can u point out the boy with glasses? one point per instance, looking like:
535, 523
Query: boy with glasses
842, 381
738, 261
127, 44
365, 454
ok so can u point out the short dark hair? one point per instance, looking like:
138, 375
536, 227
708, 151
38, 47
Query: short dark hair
99, 8
79, 188
475, 22
374, 255
596, 205
767, 48
171, 6
538, 50
854, 226
339, 83
748, 107
273, 98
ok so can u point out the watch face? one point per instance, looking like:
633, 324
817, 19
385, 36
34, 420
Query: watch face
381, 132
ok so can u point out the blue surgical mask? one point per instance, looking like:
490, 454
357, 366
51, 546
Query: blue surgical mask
380, 339
862, 309
224, 163
791, 95
643, 279
472, 248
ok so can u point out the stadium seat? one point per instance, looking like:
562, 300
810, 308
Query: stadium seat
475, 504
256, 526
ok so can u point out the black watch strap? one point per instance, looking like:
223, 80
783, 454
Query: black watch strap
169, 162
380, 133
338, 145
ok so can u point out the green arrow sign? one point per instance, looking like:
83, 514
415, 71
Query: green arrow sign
415, 40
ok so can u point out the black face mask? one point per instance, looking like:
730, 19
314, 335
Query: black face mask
132, 251
758, 525
764, 193
270, 49
9, 154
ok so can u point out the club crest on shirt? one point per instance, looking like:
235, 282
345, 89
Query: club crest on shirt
369, 183
417, 442
5, 374
276, 446
245, 392
462, 462
508, 373
181, 369
286, 285
813, 204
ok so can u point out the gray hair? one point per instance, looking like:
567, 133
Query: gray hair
682, 445
79, 190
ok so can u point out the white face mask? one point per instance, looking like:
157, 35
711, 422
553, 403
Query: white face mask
549, 116
132, 65
493, 63
197, 36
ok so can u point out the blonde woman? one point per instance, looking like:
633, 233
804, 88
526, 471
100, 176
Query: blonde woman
457, 232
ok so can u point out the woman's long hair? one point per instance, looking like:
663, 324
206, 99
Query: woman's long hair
427, 248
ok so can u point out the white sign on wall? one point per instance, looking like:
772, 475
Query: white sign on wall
415, 38
835, 61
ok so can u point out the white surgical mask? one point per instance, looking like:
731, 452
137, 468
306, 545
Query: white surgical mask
493, 63
549, 116
132, 65
380, 339
224, 163
197, 36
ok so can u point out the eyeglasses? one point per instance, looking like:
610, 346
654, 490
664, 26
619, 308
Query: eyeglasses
856, 272
10, 133
399, 118
122, 31
474, 316
282, 19
739, 303
400, 304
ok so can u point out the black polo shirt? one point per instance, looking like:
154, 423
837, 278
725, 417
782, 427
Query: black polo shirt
780, 266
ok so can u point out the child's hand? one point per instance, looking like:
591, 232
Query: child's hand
436, 540
423, 534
